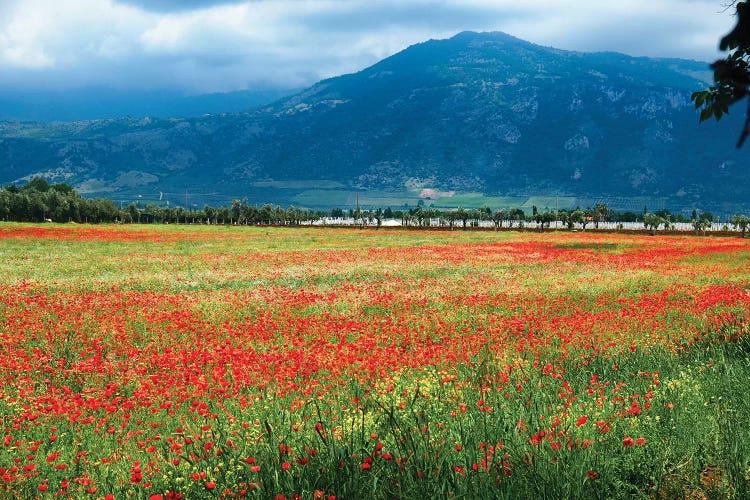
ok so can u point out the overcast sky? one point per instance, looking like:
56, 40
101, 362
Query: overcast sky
196, 46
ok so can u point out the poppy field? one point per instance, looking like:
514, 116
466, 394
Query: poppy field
249, 362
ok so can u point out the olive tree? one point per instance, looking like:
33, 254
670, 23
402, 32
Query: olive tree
741, 222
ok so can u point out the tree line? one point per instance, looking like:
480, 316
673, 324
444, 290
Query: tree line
40, 201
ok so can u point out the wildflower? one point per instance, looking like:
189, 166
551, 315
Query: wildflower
628, 441
582, 420
537, 438
635, 409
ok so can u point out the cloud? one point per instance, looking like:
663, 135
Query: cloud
436, 16
176, 5
220, 45
666, 28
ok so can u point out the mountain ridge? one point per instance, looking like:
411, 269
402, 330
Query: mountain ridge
487, 116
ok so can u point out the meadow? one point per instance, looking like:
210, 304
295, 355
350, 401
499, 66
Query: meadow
248, 362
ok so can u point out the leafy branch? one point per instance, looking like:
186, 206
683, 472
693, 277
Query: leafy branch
731, 75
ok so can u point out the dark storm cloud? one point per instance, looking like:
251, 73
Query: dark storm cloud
370, 16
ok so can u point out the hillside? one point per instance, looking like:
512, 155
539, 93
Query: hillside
472, 120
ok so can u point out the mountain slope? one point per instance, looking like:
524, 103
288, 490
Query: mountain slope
478, 113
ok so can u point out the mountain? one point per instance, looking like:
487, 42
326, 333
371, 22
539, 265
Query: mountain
98, 103
478, 119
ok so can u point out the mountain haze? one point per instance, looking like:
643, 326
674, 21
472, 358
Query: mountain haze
475, 119
99, 103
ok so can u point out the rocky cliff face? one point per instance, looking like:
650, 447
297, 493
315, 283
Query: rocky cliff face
481, 113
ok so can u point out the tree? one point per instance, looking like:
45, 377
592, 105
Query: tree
577, 216
600, 213
63, 188
210, 214
135, 214
731, 74
235, 210
419, 215
5, 204
547, 218
498, 217
588, 216
516, 214
701, 220
406, 219
700, 225
476, 216
223, 214
37, 209
38, 184
379, 217
462, 215
741, 222
652, 222
451, 217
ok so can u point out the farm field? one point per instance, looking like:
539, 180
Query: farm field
248, 362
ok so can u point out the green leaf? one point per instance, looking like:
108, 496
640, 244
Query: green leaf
699, 98
706, 114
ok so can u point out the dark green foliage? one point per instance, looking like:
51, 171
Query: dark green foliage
731, 75
39, 201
